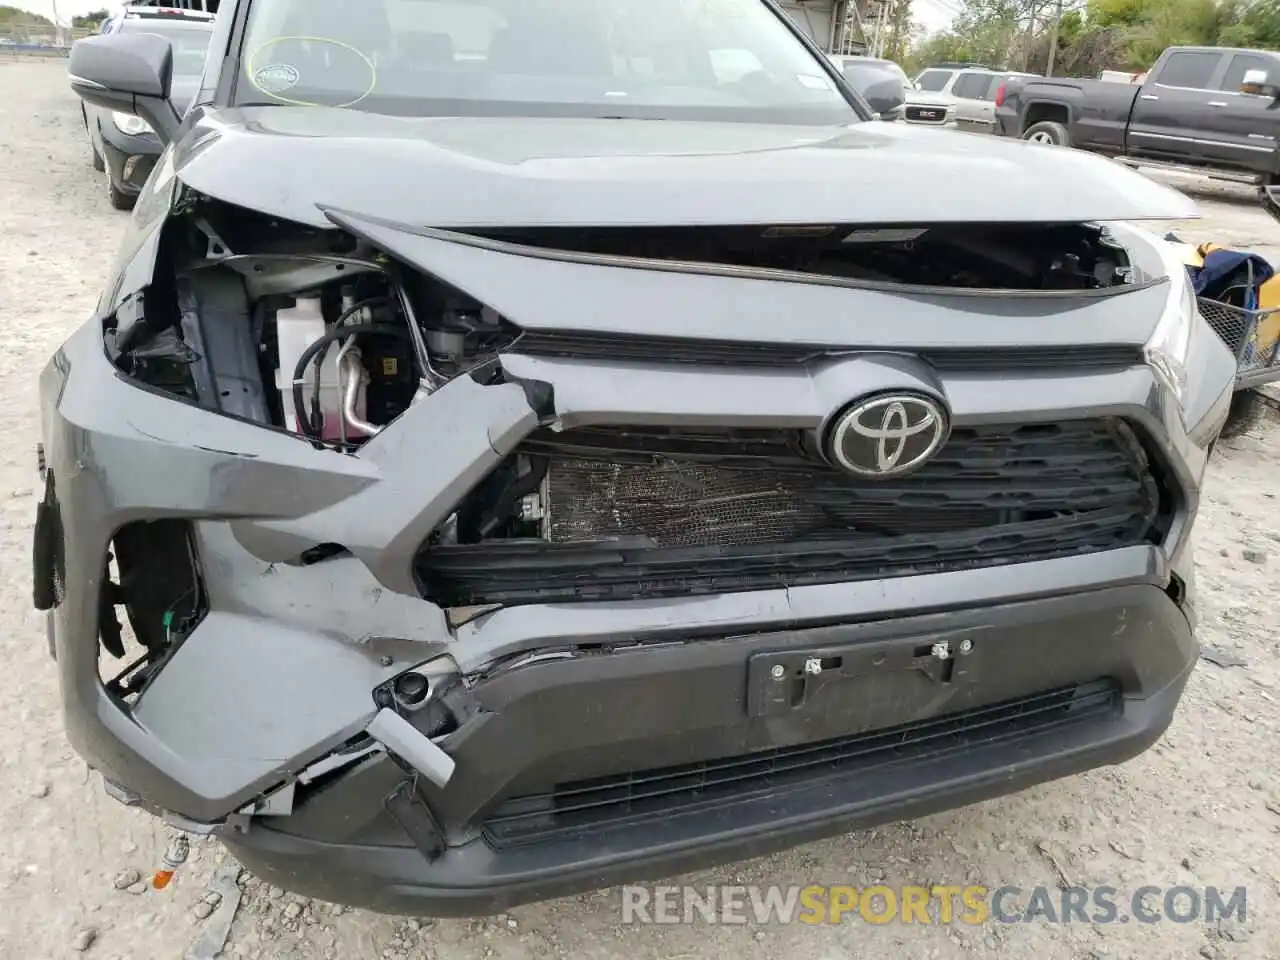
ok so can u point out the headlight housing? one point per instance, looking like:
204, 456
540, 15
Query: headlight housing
130, 125
1170, 342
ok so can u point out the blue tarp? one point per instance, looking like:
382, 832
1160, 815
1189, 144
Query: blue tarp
1228, 268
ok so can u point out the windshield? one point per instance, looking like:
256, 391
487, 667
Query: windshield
190, 43
652, 59
932, 81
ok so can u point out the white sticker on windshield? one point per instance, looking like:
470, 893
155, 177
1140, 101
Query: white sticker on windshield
813, 82
885, 236
275, 78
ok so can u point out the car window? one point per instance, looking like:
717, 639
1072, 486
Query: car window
931, 81
1241, 64
971, 86
1190, 68
190, 43
655, 59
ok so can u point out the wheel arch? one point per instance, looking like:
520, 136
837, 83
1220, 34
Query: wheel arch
1038, 111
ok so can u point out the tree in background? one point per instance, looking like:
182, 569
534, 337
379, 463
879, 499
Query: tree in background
898, 40
1255, 24
1096, 35
1001, 33
91, 19
13, 17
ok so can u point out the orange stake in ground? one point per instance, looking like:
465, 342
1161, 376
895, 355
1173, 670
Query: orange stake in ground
174, 857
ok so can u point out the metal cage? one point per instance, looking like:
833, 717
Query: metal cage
1240, 330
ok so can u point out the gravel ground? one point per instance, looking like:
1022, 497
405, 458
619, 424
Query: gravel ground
1202, 807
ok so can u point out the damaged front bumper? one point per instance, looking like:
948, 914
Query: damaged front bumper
880, 742
555, 715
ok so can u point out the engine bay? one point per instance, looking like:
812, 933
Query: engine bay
319, 334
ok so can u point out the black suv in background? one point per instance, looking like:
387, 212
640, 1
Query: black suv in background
122, 144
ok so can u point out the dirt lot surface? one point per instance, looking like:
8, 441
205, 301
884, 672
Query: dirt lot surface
1201, 808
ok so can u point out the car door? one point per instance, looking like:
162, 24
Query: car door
968, 91
1245, 125
979, 113
1172, 119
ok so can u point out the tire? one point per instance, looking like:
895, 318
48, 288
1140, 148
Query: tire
98, 163
119, 199
1048, 132
1245, 412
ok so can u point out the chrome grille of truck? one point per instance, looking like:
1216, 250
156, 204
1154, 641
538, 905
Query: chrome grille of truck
649, 512
926, 114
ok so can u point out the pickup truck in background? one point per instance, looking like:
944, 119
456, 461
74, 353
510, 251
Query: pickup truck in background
1210, 110
963, 97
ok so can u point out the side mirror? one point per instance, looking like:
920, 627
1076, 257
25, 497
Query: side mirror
128, 73
1258, 83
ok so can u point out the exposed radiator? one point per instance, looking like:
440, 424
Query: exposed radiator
651, 512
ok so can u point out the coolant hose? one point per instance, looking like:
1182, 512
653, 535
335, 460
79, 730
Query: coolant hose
321, 343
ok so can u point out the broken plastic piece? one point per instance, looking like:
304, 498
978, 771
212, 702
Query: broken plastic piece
415, 818
412, 746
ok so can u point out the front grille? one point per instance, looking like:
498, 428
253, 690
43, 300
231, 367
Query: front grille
635, 512
926, 114
572, 809
754, 354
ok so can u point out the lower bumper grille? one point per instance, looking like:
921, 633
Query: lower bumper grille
648, 513
571, 809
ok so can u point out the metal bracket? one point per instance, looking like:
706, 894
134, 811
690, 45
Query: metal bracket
783, 681
217, 248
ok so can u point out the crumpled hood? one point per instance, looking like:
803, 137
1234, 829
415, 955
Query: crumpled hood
474, 172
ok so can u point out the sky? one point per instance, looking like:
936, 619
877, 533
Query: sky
933, 15
66, 8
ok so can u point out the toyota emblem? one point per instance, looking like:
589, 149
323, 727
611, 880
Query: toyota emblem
888, 435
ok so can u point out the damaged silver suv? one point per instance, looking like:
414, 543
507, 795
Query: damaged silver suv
529, 444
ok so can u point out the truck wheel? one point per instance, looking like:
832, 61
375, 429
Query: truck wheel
98, 163
119, 199
1048, 132
1246, 410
